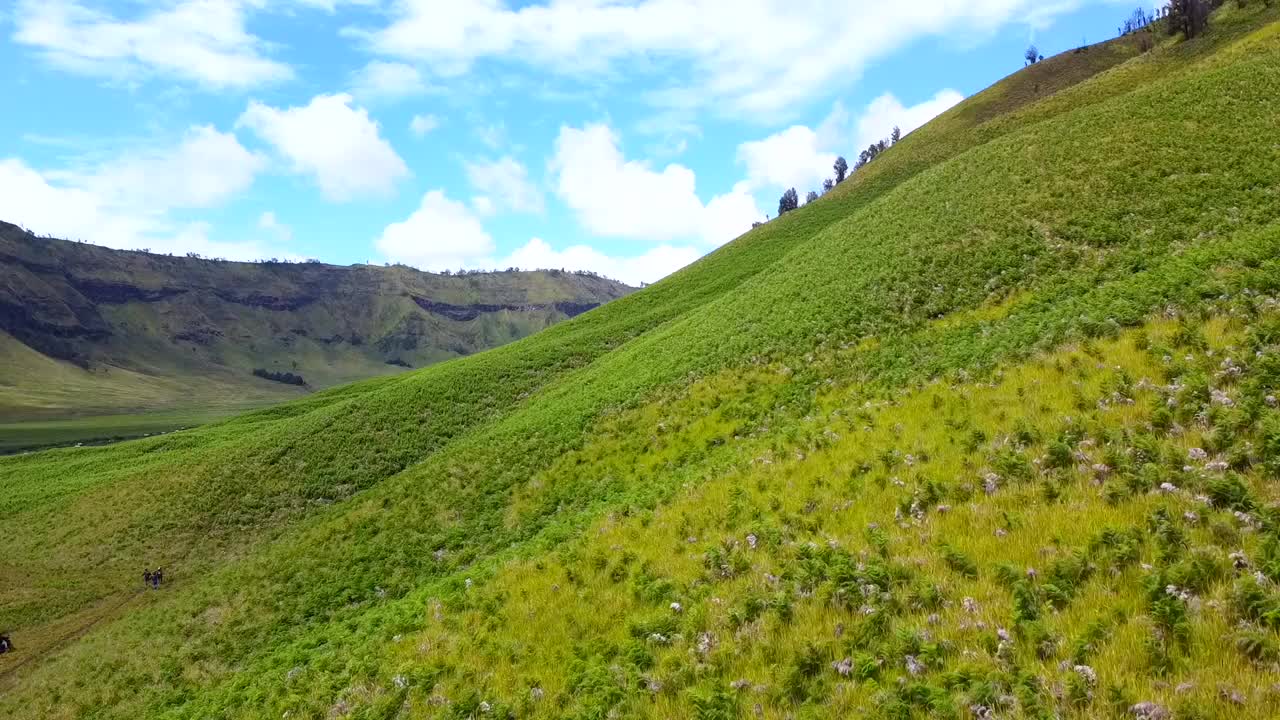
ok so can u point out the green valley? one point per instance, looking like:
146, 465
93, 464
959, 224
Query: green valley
96, 344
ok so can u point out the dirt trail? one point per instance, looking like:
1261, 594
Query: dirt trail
35, 650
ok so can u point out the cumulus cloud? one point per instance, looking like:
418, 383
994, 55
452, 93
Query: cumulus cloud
63, 209
31, 199
205, 169
650, 266
195, 40
504, 184
441, 234
126, 201
338, 145
194, 238
886, 111
745, 56
791, 158
380, 80
616, 197
801, 157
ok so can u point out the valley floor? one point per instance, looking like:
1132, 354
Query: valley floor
34, 435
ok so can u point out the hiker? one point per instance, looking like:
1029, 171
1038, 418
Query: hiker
6, 645
157, 577
146, 578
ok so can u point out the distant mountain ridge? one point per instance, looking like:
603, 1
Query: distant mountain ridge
188, 319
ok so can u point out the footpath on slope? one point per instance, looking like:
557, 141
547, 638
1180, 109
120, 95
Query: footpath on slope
34, 650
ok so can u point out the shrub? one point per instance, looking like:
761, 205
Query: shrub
287, 378
958, 561
1230, 492
788, 202
842, 168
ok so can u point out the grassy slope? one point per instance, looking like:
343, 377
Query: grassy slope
1051, 222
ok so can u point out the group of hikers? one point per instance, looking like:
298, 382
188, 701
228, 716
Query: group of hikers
152, 578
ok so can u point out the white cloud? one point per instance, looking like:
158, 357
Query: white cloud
745, 56
269, 222
420, 125
616, 197
802, 158
790, 158
196, 40
205, 169
886, 111
56, 208
381, 80
125, 201
504, 184
339, 145
729, 215
194, 237
30, 199
331, 5
440, 235
648, 267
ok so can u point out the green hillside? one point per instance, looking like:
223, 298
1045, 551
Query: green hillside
990, 430
96, 342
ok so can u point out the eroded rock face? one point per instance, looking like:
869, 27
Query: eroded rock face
60, 341
266, 302
572, 309
102, 291
463, 313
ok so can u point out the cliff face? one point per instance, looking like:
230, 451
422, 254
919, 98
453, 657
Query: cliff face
188, 318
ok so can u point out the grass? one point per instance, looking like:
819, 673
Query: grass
36, 434
766, 438
775, 558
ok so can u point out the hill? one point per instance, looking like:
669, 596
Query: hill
990, 430
87, 331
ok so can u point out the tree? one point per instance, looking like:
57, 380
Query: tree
841, 168
1031, 55
827, 185
810, 197
1189, 17
788, 202
896, 135
1138, 20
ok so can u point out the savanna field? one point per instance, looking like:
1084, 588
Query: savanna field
990, 430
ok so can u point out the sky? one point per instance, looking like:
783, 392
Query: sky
626, 137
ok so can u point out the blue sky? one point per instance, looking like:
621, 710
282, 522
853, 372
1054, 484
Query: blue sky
627, 137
